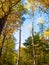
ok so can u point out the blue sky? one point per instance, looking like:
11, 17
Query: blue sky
26, 32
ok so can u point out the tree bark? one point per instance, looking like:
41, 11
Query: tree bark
2, 23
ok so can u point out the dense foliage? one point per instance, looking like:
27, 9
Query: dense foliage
8, 54
10, 13
41, 50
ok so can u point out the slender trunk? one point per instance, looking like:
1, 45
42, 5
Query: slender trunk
34, 54
19, 45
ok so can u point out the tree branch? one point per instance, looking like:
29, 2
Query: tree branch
15, 4
2, 8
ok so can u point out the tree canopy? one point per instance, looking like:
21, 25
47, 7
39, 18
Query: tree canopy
10, 12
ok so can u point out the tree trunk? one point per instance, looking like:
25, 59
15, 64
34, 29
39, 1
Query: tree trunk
2, 23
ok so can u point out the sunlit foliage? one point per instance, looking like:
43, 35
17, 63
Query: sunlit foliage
10, 12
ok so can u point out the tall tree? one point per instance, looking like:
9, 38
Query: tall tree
40, 48
13, 14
